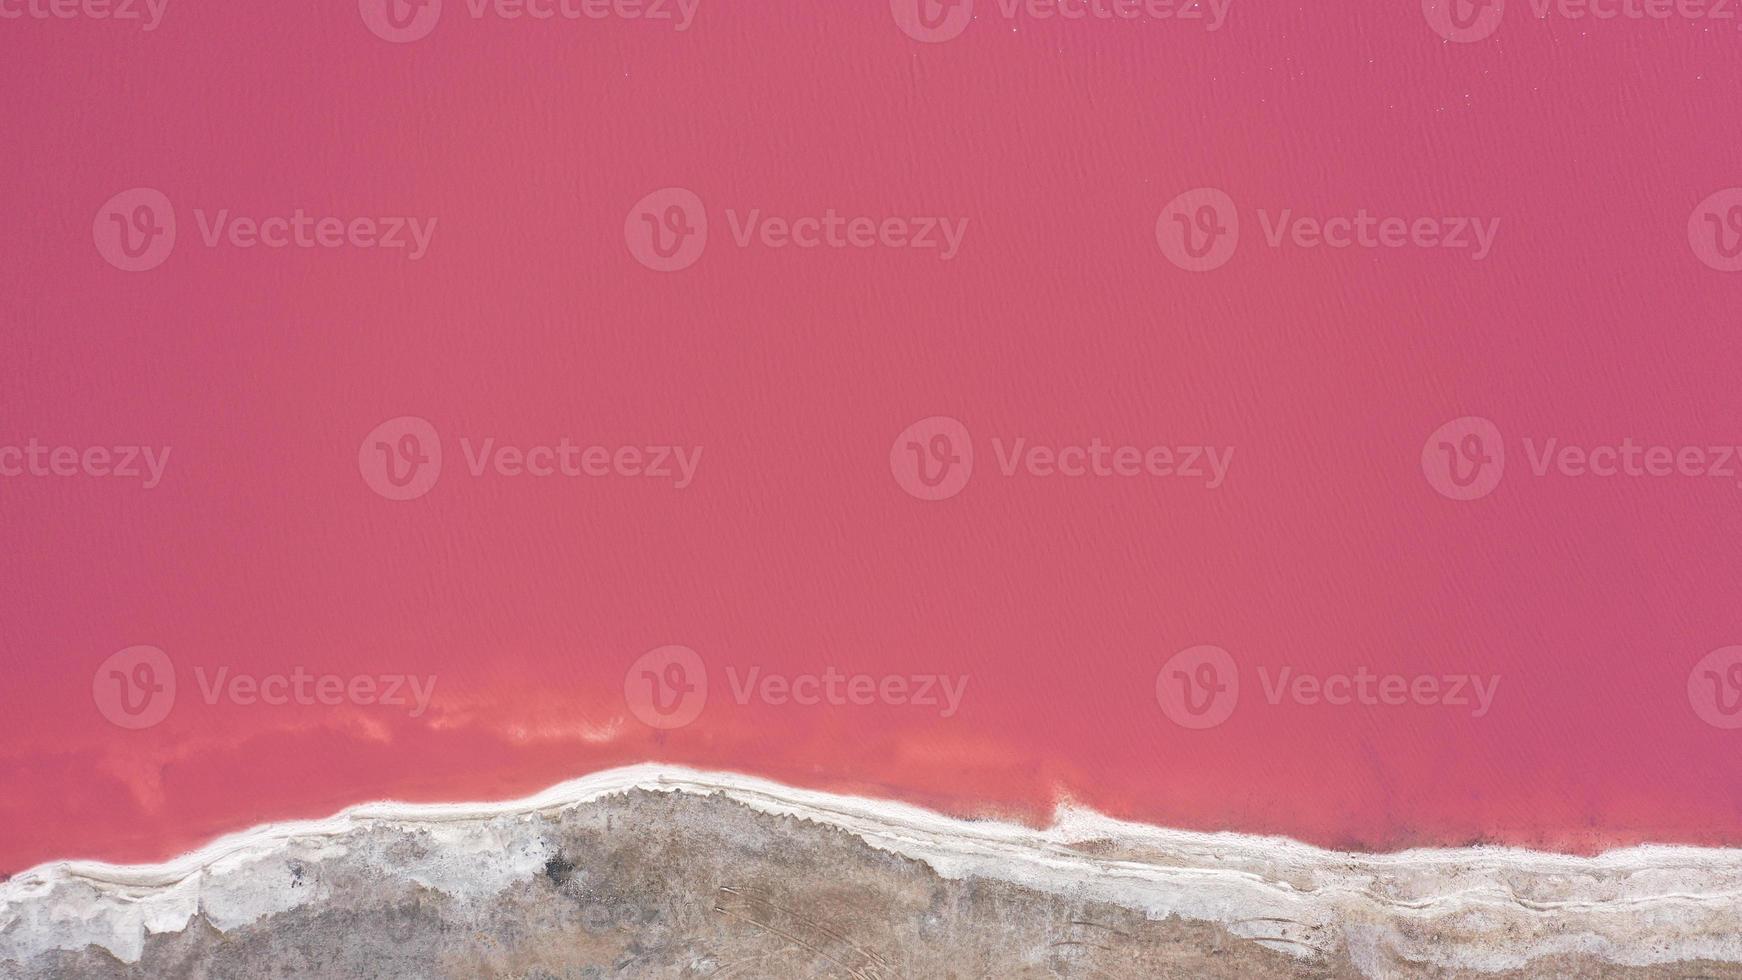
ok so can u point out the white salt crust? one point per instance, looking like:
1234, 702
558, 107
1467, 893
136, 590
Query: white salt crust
1482, 908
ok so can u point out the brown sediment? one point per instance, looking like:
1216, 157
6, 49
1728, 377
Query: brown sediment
674, 884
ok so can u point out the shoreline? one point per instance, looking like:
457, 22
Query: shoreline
1480, 907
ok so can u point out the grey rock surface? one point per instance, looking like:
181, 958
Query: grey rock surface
648, 884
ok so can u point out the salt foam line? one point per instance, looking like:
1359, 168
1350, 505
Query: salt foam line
1475, 908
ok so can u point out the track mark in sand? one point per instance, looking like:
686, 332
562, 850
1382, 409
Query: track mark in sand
820, 939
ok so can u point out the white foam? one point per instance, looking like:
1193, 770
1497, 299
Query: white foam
1484, 908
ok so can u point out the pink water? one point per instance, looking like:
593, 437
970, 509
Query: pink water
1060, 320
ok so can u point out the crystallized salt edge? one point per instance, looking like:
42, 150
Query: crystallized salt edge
1485, 908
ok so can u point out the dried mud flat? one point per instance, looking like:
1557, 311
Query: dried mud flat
641, 883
